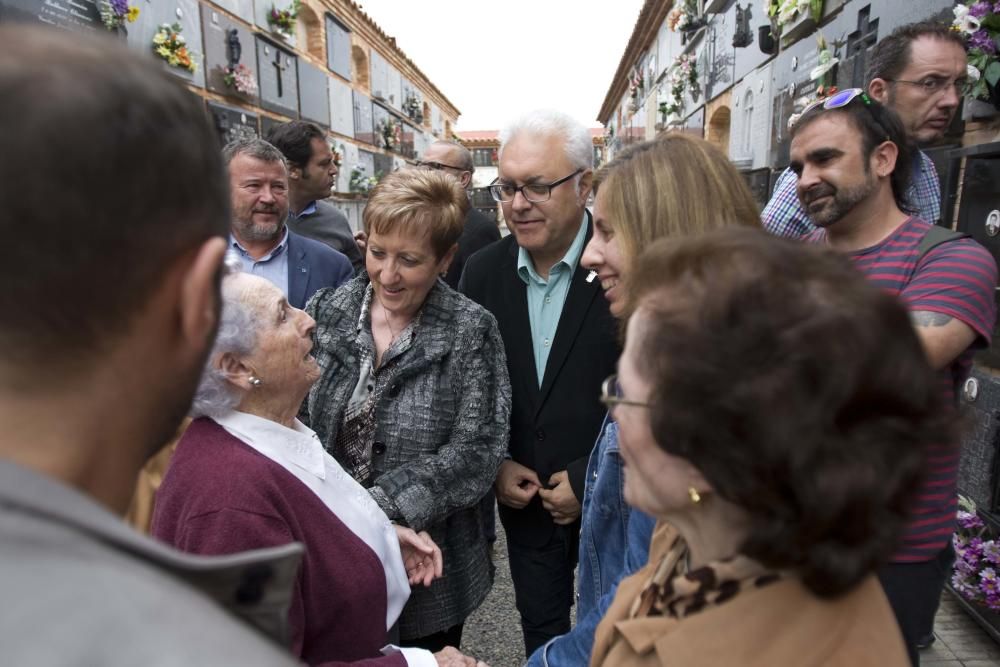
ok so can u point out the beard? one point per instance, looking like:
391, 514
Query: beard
256, 231
841, 200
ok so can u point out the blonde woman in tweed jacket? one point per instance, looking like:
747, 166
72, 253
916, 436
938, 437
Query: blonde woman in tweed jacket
414, 397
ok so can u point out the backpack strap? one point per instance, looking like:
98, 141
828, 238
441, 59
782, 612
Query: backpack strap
935, 236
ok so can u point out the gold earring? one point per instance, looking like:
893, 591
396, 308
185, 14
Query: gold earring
695, 496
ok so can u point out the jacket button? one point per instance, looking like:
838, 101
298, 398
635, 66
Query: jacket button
540, 434
378, 448
394, 390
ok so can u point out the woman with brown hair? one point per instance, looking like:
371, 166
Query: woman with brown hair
774, 411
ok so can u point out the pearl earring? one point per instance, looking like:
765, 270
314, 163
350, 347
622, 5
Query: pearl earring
255, 381
695, 496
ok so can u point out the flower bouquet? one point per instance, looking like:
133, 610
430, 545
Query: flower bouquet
979, 22
116, 13
239, 78
977, 558
360, 183
169, 44
283, 20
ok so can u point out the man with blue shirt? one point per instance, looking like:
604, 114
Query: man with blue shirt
919, 72
258, 186
560, 340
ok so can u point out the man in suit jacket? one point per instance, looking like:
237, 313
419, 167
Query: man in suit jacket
455, 159
312, 173
560, 342
258, 186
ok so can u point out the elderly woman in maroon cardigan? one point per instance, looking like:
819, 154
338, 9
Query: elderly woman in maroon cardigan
248, 474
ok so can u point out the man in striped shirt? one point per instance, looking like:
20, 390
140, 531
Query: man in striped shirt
845, 159
918, 72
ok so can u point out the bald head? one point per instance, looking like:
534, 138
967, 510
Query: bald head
454, 159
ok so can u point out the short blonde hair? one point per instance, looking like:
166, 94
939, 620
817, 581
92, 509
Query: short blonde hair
675, 185
418, 202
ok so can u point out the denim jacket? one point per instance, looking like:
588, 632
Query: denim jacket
614, 542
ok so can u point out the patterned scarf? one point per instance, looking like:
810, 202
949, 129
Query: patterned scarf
675, 592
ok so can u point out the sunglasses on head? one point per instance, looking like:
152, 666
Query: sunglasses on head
839, 101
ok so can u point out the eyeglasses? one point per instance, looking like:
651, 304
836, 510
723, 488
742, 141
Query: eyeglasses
932, 85
611, 394
438, 166
533, 192
839, 101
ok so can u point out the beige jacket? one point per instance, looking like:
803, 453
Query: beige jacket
782, 624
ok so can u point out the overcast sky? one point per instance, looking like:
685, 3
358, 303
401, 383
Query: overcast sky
496, 59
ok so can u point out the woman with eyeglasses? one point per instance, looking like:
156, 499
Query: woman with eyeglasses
773, 410
673, 186
413, 397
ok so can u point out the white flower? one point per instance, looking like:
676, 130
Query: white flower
965, 21
973, 73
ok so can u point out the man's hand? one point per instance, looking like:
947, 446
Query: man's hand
452, 657
516, 484
560, 500
362, 240
421, 557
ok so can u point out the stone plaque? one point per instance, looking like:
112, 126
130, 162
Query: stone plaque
314, 98
379, 77
380, 116
223, 47
749, 138
363, 127
351, 160
267, 124
406, 147
352, 209
241, 8
232, 124
338, 47
719, 54
383, 164
437, 122
366, 160
977, 470
341, 108
68, 14
394, 86
277, 72
262, 9
154, 14
420, 143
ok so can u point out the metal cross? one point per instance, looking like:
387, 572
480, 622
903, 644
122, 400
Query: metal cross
279, 68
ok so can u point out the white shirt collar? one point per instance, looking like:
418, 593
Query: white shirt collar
299, 445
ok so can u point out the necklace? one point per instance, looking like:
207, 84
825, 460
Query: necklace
392, 333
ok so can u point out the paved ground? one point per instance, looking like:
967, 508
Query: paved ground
960, 640
493, 633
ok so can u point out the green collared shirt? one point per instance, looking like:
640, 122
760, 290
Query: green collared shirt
547, 297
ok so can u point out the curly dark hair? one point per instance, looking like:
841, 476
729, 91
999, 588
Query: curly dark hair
799, 390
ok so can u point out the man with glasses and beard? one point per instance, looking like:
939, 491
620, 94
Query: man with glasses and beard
560, 341
258, 186
455, 160
919, 72
846, 155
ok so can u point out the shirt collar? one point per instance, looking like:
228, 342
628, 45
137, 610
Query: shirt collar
299, 445
275, 252
308, 210
526, 268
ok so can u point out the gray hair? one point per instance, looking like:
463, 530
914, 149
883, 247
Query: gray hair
461, 152
255, 148
237, 334
577, 145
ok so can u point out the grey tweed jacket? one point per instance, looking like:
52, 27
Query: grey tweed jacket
442, 431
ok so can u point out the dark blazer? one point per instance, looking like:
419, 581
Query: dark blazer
329, 226
553, 427
479, 232
313, 266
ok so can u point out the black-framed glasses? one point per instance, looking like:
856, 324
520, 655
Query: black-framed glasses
932, 85
533, 192
611, 394
839, 101
437, 166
